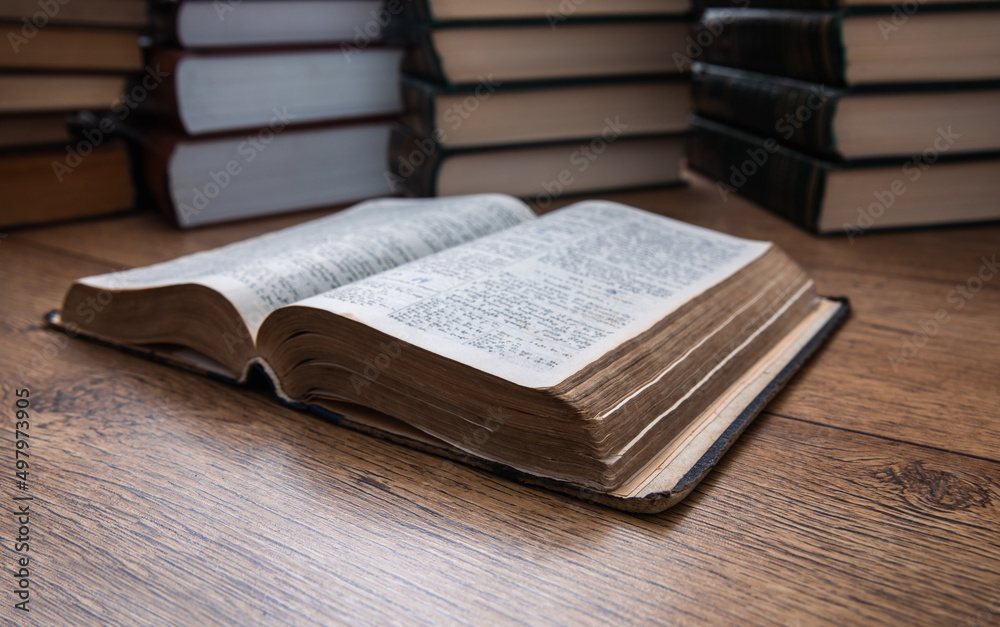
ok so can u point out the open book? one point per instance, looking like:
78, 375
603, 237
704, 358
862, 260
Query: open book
598, 350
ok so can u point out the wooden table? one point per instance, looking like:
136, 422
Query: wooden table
868, 492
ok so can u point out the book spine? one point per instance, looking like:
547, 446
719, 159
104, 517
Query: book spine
415, 10
778, 179
418, 105
161, 103
797, 44
157, 149
796, 113
163, 23
414, 162
421, 58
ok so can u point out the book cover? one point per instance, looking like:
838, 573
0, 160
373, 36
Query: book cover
839, 48
845, 123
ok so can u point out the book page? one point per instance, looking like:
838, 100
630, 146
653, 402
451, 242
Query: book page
536, 303
263, 273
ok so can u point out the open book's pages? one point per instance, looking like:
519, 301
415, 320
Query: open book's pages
214, 301
599, 349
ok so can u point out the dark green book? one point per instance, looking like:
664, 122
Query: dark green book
540, 172
492, 115
853, 48
853, 122
824, 197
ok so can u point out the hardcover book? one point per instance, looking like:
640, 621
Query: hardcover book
42, 129
73, 48
119, 13
207, 180
851, 198
542, 171
853, 47
37, 184
196, 24
492, 115
853, 122
599, 350
37, 93
222, 90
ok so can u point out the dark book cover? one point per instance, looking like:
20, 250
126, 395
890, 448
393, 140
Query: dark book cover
810, 45
785, 182
421, 114
768, 105
793, 185
798, 44
799, 114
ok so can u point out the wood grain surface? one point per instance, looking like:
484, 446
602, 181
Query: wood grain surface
867, 493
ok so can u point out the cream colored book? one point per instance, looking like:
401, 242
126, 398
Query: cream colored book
598, 350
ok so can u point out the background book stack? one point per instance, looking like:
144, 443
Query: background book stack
57, 59
268, 106
854, 117
540, 98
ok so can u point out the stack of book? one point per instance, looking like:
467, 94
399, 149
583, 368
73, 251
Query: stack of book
59, 59
850, 118
540, 99
268, 106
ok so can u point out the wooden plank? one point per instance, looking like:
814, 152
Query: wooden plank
165, 497
243, 509
901, 370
